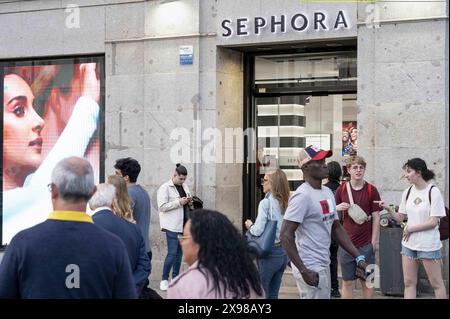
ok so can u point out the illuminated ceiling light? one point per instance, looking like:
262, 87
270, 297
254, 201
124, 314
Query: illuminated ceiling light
168, 1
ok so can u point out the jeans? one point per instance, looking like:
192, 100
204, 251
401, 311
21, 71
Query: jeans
417, 254
174, 255
334, 265
271, 271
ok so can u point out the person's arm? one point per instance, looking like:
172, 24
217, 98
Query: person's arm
16, 200
375, 208
143, 266
341, 206
263, 211
73, 140
9, 279
164, 204
398, 217
431, 223
287, 237
375, 230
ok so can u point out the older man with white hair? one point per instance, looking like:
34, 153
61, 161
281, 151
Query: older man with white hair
104, 216
67, 256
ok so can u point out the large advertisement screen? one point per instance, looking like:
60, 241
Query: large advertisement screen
52, 109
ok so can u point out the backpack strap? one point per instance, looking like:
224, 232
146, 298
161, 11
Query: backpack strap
369, 190
342, 195
429, 193
407, 194
429, 198
342, 188
349, 193
270, 208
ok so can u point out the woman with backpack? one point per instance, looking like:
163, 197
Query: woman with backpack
422, 204
272, 207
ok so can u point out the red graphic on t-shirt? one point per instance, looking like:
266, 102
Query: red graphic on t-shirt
325, 207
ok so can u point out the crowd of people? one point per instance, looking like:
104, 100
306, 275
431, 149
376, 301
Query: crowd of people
107, 253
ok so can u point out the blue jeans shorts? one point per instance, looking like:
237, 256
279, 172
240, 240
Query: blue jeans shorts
417, 254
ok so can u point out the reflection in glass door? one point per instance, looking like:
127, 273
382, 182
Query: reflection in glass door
280, 127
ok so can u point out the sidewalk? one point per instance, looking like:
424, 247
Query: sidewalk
289, 290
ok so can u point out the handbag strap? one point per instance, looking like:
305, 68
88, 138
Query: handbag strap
349, 192
270, 207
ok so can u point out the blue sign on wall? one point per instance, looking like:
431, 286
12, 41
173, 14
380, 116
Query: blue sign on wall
186, 55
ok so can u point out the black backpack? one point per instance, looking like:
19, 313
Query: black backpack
443, 222
196, 203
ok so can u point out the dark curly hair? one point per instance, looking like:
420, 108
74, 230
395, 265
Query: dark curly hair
223, 252
128, 167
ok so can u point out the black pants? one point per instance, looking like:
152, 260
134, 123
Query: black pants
334, 265
147, 292
150, 255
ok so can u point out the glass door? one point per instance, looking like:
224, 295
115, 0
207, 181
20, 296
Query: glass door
295, 101
280, 128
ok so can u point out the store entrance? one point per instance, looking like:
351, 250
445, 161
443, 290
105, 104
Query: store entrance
296, 100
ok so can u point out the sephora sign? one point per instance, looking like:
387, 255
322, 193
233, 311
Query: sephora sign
299, 22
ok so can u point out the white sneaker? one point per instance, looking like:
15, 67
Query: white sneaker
163, 285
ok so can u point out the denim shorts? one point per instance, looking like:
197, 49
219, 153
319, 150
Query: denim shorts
417, 254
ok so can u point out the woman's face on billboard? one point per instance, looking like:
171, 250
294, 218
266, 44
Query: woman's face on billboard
354, 134
22, 126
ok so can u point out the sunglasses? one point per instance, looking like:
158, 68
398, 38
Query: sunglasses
183, 237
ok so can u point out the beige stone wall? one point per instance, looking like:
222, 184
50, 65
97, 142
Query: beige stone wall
403, 97
402, 84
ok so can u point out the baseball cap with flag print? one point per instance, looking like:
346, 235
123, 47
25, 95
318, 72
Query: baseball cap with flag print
311, 153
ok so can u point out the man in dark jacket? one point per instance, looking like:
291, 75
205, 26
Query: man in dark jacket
67, 256
101, 203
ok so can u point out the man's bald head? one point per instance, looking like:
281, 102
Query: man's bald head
74, 179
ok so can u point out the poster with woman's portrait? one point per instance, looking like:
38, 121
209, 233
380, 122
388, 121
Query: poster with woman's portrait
349, 137
52, 109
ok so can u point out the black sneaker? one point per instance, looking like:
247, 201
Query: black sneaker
335, 293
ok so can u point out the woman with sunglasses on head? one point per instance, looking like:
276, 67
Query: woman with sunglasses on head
272, 207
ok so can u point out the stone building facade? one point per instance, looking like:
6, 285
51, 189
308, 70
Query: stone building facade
401, 96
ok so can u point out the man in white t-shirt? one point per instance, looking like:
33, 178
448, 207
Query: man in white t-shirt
309, 222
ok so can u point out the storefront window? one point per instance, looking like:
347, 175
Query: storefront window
300, 101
